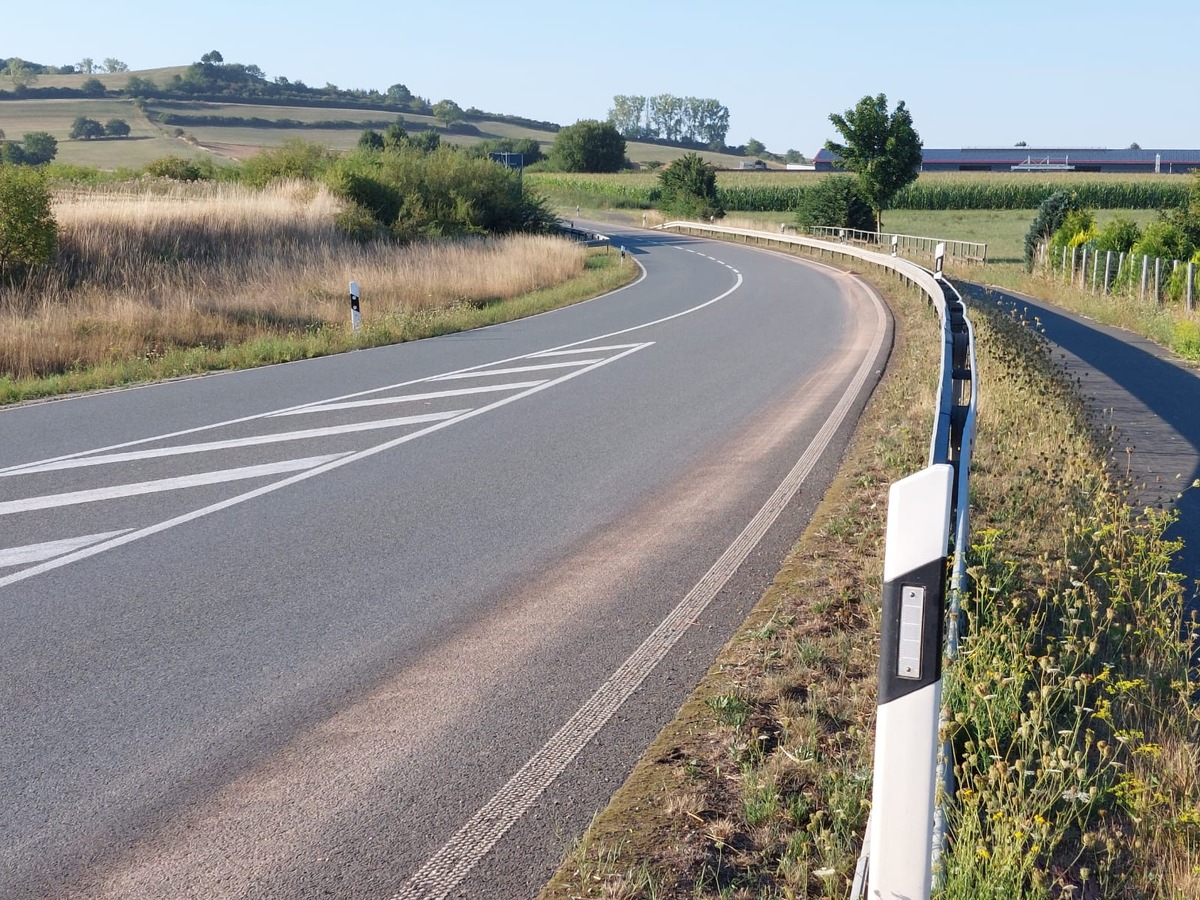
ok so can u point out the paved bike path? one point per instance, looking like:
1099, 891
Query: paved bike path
1150, 398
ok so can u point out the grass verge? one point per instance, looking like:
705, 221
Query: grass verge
1074, 720
601, 273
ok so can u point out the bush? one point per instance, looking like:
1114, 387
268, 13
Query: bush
292, 159
1164, 239
416, 194
689, 189
1077, 228
1050, 216
174, 167
1119, 235
28, 232
836, 202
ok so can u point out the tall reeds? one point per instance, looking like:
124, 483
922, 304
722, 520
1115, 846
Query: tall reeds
143, 270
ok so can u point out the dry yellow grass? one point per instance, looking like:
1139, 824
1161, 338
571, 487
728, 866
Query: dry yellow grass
144, 269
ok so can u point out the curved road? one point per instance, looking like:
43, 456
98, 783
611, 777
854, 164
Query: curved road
396, 623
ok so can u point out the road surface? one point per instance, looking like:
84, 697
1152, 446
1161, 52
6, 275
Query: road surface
395, 623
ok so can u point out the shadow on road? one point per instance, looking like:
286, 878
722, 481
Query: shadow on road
1150, 399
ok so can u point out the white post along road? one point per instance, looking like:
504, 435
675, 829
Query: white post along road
396, 623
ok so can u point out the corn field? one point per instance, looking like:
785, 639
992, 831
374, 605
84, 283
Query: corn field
783, 192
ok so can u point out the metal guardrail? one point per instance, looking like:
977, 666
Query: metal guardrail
969, 252
928, 532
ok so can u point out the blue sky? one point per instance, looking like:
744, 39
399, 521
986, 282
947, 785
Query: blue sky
1101, 74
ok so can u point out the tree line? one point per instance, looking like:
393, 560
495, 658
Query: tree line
669, 118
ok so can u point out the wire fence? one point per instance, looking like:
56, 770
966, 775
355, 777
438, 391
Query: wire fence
1125, 274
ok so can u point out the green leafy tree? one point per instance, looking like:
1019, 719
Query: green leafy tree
21, 73
137, 86
395, 137
117, 128
87, 66
1164, 239
293, 159
85, 129
398, 93
882, 149
40, 147
626, 115
28, 232
212, 58
447, 112
93, 87
425, 142
755, 148
836, 202
689, 188
115, 65
588, 146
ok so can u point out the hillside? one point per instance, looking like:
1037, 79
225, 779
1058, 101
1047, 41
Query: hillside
227, 125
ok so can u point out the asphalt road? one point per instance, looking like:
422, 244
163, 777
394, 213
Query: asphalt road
396, 623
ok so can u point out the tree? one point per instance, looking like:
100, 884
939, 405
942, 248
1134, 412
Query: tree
137, 86
87, 66
447, 112
115, 65
116, 128
1135, 146
85, 129
93, 87
836, 202
666, 115
626, 115
755, 148
794, 156
40, 147
21, 73
689, 188
588, 146
28, 232
882, 149
398, 93
212, 58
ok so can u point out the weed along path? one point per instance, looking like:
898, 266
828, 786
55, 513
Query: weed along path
1145, 395
395, 623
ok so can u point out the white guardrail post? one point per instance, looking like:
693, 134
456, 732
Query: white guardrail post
910, 685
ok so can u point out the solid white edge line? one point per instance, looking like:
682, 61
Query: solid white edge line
442, 872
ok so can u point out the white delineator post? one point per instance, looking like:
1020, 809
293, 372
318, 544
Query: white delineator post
910, 685
355, 316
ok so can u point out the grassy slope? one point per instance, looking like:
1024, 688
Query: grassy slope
55, 116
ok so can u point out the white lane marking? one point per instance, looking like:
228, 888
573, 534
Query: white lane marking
455, 860
235, 443
483, 373
71, 498
32, 553
302, 406
337, 463
410, 398
578, 350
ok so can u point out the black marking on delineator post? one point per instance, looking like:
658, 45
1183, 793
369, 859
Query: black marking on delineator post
910, 685
355, 316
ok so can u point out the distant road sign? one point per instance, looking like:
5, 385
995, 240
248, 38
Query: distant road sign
511, 160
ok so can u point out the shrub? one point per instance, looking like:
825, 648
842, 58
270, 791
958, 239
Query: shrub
292, 159
1119, 235
174, 167
1077, 228
836, 202
1050, 216
28, 232
689, 189
1164, 239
